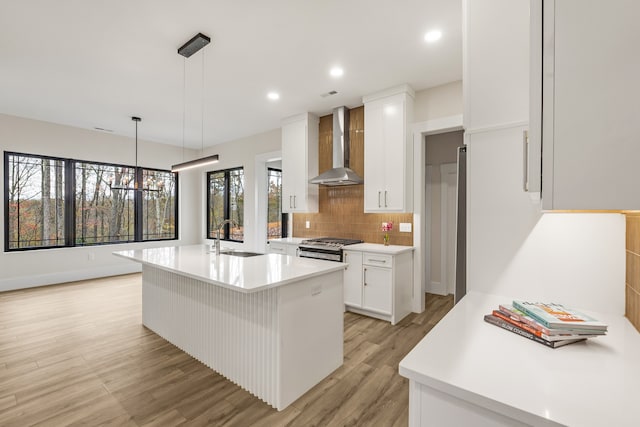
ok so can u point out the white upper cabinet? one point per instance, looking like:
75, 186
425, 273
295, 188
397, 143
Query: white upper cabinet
299, 163
388, 148
496, 64
590, 115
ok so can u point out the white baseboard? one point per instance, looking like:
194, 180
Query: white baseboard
437, 288
25, 282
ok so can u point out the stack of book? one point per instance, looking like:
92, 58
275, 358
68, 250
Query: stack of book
546, 323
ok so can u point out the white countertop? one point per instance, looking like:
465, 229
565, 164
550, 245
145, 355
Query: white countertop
380, 249
249, 274
590, 383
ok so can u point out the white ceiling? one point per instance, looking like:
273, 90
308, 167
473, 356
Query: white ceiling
96, 63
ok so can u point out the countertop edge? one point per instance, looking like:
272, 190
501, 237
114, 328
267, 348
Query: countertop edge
379, 249
338, 267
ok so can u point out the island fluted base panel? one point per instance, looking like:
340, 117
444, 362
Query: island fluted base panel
261, 340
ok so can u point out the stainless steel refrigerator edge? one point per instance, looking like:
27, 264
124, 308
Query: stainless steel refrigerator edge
461, 227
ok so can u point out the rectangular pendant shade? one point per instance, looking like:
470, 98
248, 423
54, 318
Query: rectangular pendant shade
195, 163
196, 43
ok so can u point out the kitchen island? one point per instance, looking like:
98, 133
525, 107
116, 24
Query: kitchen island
272, 324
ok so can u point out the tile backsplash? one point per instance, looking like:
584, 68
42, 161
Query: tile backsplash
341, 209
632, 281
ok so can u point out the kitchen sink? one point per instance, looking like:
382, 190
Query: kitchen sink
244, 254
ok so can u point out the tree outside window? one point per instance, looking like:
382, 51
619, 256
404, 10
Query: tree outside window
225, 200
53, 202
34, 202
276, 220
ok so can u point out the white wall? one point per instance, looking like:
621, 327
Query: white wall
243, 152
513, 249
437, 102
48, 266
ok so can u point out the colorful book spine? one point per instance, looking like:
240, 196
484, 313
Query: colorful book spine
518, 315
521, 317
497, 321
537, 332
552, 315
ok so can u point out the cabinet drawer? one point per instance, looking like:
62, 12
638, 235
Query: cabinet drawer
277, 249
378, 260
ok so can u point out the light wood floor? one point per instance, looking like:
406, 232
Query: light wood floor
78, 354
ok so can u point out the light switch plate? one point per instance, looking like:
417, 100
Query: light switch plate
307, 224
405, 227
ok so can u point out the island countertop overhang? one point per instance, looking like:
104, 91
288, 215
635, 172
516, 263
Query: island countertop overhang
250, 274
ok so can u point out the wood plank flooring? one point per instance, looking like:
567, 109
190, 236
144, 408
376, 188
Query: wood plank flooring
77, 354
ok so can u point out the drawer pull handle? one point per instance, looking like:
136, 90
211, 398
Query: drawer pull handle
378, 260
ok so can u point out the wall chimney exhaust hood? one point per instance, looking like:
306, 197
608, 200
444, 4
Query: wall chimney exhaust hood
340, 174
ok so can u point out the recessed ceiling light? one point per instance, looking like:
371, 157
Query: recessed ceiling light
274, 96
433, 36
336, 72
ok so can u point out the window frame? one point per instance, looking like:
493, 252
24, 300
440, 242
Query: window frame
67, 229
226, 206
176, 207
284, 216
70, 202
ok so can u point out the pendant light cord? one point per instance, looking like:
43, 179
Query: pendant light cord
184, 100
202, 111
136, 144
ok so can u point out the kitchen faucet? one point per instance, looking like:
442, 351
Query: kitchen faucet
216, 244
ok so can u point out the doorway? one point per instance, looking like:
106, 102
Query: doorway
440, 209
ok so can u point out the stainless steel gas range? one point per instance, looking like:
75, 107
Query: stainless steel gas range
327, 248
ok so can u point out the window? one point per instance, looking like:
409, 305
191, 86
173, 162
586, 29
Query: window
34, 202
225, 201
276, 220
85, 203
159, 205
104, 203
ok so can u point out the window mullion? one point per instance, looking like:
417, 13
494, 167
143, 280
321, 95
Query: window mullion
69, 202
6, 201
137, 206
227, 203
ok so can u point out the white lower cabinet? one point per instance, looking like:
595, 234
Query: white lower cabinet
376, 290
353, 279
379, 284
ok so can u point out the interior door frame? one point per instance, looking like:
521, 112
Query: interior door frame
421, 263
261, 184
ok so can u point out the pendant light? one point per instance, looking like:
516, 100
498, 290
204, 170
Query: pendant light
125, 180
151, 183
196, 43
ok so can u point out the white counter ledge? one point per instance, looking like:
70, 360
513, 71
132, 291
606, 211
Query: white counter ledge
380, 249
242, 274
466, 370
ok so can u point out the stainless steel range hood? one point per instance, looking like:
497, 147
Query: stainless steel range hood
340, 174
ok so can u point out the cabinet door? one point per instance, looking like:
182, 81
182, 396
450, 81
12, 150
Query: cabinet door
393, 121
292, 250
374, 157
294, 155
591, 148
496, 60
353, 279
377, 289
277, 248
